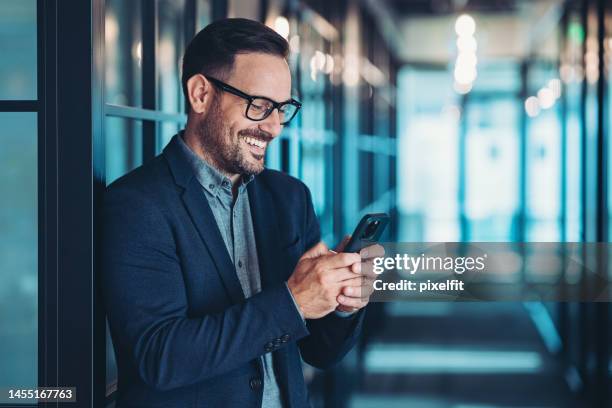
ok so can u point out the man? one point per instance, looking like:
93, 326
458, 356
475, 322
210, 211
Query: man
215, 280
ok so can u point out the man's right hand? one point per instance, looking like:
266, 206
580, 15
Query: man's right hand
318, 279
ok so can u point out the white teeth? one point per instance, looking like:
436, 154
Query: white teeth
255, 142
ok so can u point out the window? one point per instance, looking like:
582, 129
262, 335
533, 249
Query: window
18, 45
123, 146
492, 168
123, 52
314, 130
18, 251
19, 203
427, 173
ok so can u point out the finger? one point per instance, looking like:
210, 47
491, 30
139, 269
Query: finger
358, 288
360, 281
340, 275
355, 282
351, 301
340, 247
367, 270
353, 291
316, 251
340, 260
372, 251
366, 291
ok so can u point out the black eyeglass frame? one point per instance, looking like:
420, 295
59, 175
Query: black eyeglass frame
275, 105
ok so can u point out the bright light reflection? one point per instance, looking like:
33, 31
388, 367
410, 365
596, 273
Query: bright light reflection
465, 26
462, 89
281, 26
555, 86
532, 106
467, 59
294, 44
546, 98
465, 74
467, 44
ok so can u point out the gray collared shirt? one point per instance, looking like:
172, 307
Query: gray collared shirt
236, 226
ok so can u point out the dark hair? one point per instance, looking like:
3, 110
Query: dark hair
213, 50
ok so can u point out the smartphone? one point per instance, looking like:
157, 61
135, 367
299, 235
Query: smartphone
368, 231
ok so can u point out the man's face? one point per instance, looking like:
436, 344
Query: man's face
234, 143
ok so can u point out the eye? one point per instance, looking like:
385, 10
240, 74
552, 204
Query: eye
260, 105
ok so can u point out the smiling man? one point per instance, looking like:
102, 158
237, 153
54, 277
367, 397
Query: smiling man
215, 281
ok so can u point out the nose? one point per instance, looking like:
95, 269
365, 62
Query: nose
271, 124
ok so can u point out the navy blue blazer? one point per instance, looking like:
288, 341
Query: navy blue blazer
183, 333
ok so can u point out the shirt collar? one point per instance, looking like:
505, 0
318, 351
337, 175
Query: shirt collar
211, 179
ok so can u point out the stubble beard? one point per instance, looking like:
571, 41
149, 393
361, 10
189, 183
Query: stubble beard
221, 145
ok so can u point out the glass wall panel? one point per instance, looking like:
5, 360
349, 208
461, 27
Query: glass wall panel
571, 74
166, 131
608, 129
123, 48
591, 77
204, 14
608, 112
428, 130
543, 157
491, 162
315, 134
123, 146
18, 252
18, 45
170, 49
573, 165
544, 182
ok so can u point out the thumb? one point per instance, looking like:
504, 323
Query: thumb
316, 251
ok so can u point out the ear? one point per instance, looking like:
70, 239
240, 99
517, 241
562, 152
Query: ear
199, 91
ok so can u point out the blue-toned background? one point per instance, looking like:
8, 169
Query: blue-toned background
465, 120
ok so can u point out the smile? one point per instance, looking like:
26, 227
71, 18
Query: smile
255, 142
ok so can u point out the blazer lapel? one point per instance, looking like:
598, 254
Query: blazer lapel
265, 225
204, 220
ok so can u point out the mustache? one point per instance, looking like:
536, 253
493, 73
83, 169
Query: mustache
256, 133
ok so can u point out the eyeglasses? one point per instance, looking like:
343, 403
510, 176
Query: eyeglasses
260, 107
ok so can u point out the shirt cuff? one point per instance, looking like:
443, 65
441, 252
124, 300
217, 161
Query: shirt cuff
295, 303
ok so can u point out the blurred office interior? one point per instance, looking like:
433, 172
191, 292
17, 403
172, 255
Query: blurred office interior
465, 120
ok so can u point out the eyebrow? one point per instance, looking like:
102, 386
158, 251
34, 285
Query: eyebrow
235, 89
272, 99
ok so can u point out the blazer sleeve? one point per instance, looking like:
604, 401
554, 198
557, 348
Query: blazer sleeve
146, 304
332, 336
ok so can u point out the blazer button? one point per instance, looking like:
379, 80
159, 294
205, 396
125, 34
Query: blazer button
255, 383
269, 346
285, 338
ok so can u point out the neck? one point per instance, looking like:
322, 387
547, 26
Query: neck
191, 138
